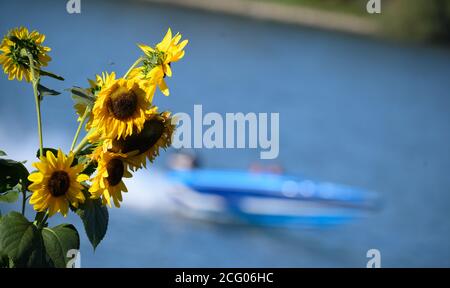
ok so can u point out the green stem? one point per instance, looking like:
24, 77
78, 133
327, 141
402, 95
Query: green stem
139, 60
35, 82
81, 145
83, 118
39, 119
24, 200
41, 224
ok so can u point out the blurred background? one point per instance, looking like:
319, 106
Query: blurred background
363, 101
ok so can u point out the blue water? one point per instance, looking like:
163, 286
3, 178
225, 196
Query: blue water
352, 110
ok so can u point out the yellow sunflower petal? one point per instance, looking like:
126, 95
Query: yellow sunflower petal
36, 177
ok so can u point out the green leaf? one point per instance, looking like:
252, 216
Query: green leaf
82, 158
2, 153
90, 165
44, 91
58, 241
11, 174
21, 241
10, 196
95, 220
49, 74
82, 96
44, 150
88, 150
90, 168
4, 261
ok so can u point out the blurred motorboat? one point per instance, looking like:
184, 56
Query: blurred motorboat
267, 198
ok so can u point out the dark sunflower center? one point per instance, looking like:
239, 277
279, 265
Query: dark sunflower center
150, 134
59, 183
115, 171
123, 106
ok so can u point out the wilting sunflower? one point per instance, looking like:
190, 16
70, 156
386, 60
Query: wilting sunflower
13, 55
56, 184
156, 65
157, 133
120, 109
107, 183
95, 86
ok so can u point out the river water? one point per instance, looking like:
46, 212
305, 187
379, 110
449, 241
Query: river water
352, 110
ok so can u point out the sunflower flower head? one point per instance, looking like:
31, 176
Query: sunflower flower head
108, 182
139, 74
157, 133
14, 49
120, 109
95, 86
100, 81
56, 184
157, 61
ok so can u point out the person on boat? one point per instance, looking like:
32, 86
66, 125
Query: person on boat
182, 160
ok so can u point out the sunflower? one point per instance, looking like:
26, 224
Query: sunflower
13, 55
158, 60
146, 83
107, 183
120, 109
94, 87
157, 133
56, 184
100, 81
